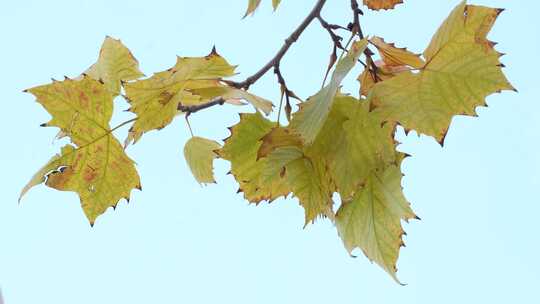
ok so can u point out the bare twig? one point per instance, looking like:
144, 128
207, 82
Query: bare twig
196, 108
357, 29
283, 50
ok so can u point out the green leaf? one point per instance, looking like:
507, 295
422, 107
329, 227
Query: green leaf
462, 68
371, 221
312, 185
353, 142
115, 64
241, 150
308, 121
199, 154
97, 168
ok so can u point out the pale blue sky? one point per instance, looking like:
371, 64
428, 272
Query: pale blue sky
178, 242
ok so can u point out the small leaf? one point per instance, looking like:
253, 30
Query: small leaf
199, 154
275, 3
252, 6
393, 56
371, 221
382, 4
241, 150
312, 114
115, 64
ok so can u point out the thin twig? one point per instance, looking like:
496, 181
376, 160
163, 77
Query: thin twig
196, 108
283, 50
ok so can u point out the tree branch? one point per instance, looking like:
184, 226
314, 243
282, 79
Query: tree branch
196, 108
357, 29
283, 50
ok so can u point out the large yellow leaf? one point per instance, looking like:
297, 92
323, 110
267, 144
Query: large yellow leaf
462, 68
382, 4
241, 150
115, 64
311, 116
371, 220
97, 167
155, 100
199, 154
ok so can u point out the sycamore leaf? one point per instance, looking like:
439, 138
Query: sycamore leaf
241, 150
382, 4
278, 137
394, 56
371, 220
309, 119
155, 100
367, 77
229, 93
199, 154
353, 142
312, 185
275, 3
462, 69
97, 167
252, 6
115, 65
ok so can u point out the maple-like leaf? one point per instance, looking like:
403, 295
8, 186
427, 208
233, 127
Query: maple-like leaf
199, 154
96, 166
278, 137
155, 100
353, 142
241, 150
371, 220
115, 64
382, 4
310, 182
309, 119
462, 68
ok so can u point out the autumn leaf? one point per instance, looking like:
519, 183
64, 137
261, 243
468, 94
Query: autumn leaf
275, 3
276, 138
371, 220
155, 100
199, 154
462, 69
394, 56
241, 150
254, 4
382, 4
353, 142
96, 166
309, 119
115, 64
207, 94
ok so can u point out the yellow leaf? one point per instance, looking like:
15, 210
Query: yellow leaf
155, 100
275, 3
276, 138
309, 119
312, 185
229, 93
199, 154
354, 143
393, 56
371, 220
97, 168
462, 68
367, 77
115, 64
241, 150
252, 6
382, 4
